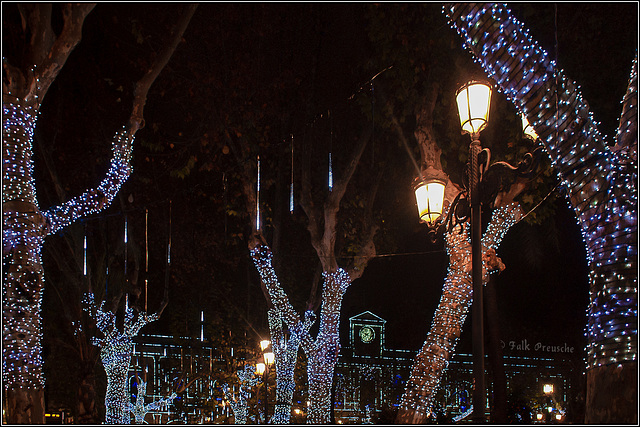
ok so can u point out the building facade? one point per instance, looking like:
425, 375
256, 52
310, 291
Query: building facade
370, 379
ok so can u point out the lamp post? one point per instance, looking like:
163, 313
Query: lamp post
474, 99
263, 369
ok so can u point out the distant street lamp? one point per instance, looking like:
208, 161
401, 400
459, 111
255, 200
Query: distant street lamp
263, 369
473, 101
547, 388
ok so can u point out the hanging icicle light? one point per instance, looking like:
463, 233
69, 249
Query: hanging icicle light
291, 188
84, 266
258, 198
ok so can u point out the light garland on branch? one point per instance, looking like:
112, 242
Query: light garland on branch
24, 230
456, 299
140, 410
602, 183
94, 200
247, 380
115, 351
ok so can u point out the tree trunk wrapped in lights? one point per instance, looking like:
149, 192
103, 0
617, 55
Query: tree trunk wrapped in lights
602, 186
286, 356
456, 299
247, 380
115, 351
322, 352
25, 225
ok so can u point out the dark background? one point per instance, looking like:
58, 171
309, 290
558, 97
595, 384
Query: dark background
290, 64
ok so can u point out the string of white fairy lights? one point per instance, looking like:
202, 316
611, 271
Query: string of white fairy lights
286, 355
247, 379
24, 233
602, 183
140, 409
456, 299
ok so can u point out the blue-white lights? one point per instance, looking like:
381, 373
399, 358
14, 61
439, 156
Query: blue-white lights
602, 182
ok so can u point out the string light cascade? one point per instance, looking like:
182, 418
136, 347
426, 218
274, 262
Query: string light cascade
456, 299
115, 351
247, 380
602, 182
25, 227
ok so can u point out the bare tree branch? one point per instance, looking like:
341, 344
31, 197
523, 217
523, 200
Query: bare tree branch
136, 121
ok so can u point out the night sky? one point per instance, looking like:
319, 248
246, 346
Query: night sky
543, 293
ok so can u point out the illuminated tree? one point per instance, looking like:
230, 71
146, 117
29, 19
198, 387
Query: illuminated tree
246, 381
601, 180
115, 351
285, 349
322, 351
140, 409
28, 74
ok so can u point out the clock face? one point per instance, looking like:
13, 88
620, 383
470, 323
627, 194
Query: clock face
367, 334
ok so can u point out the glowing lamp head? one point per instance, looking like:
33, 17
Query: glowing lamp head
269, 357
474, 100
547, 388
260, 368
264, 344
528, 130
429, 191
538, 416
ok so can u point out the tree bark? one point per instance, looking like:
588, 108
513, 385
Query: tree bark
446, 327
24, 225
602, 186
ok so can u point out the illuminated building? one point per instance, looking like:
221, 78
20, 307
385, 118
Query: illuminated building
371, 376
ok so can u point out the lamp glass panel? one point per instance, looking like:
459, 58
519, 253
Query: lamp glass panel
260, 368
269, 358
528, 129
264, 344
473, 102
430, 198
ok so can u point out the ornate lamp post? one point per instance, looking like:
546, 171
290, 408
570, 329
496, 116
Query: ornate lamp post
473, 101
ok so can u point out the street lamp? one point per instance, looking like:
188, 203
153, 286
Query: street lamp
473, 101
263, 369
429, 191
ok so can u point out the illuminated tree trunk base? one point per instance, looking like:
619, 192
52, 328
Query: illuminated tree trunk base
116, 399
286, 355
320, 376
24, 406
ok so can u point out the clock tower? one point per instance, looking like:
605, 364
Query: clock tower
366, 334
